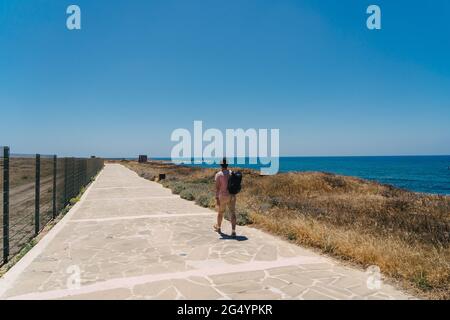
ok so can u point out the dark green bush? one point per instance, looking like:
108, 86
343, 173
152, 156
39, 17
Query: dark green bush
187, 194
243, 218
177, 188
205, 200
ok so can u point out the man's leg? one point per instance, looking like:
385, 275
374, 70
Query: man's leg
221, 206
232, 208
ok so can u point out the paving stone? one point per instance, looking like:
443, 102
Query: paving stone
199, 280
283, 270
151, 288
274, 282
311, 294
346, 282
293, 290
379, 296
317, 266
239, 287
362, 290
193, 291
168, 294
337, 293
297, 279
199, 253
114, 294
237, 276
258, 295
320, 274
266, 253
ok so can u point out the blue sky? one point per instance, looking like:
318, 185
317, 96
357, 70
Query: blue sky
140, 69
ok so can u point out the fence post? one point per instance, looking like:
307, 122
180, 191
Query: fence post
72, 178
74, 175
65, 181
55, 159
37, 195
77, 177
85, 172
5, 204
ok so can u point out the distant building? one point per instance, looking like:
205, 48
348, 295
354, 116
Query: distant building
142, 158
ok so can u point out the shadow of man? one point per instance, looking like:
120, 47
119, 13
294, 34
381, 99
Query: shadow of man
228, 237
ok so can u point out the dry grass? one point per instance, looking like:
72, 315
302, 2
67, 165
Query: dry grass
406, 234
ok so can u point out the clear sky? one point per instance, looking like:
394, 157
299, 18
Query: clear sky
137, 70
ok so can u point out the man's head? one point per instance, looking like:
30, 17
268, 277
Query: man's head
224, 164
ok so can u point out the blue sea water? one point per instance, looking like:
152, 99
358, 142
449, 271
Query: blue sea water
429, 174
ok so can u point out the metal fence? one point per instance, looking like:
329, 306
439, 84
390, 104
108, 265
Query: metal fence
34, 189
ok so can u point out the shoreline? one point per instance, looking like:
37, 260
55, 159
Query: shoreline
331, 172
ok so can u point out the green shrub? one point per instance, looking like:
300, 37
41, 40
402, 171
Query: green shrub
148, 176
292, 236
422, 281
205, 200
74, 200
204, 180
243, 218
177, 188
187, 194
166, 183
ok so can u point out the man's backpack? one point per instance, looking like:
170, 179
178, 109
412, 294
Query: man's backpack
234, 182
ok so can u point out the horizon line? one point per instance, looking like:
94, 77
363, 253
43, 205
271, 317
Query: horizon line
308, 156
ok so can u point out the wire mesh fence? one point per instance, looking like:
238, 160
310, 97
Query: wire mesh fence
34, 189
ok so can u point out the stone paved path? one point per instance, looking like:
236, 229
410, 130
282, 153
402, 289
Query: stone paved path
129, 238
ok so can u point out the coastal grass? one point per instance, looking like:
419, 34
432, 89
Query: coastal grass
404, 233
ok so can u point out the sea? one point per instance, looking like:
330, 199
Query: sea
428, 174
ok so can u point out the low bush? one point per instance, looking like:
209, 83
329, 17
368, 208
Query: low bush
205, 200
187, 194
177, 188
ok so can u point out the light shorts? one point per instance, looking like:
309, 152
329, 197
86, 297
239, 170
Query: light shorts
227, 201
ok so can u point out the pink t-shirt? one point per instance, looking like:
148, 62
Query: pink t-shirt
222, 183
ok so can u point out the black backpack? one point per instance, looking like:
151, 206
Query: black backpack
234, 182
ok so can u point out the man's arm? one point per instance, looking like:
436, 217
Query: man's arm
217, 188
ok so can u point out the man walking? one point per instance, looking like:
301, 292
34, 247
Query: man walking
224, 199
